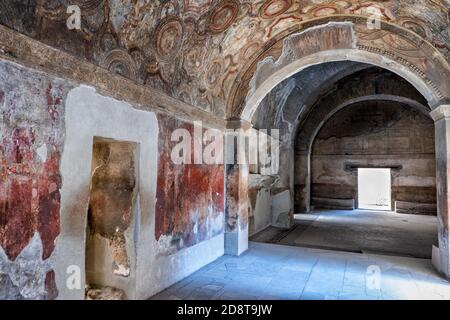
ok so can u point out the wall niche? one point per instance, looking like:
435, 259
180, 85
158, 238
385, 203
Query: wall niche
111, 220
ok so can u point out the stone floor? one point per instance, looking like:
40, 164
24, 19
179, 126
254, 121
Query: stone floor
268, 271
359, 231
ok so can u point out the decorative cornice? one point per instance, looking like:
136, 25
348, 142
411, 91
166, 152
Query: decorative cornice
441, 112
31, 53
405, 63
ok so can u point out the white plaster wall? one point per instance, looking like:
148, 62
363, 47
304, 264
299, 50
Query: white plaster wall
89, 114
155, 276
262, 212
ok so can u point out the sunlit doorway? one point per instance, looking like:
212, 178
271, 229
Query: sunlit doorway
374, 188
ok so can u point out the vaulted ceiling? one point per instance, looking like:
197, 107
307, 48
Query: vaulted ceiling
196, 50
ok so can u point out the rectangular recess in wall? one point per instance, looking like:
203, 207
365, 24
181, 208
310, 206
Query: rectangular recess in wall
374, 188
109, 236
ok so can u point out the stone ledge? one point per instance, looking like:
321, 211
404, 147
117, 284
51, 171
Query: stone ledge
441, 112
336, 204
428, 209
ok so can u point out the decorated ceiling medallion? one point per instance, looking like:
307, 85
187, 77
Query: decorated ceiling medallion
345, 4
120, 62
273, 8
223, 16
169, 35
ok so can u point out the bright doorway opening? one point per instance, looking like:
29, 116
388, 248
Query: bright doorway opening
374, 189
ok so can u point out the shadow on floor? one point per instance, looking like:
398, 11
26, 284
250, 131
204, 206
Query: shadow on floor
359, 231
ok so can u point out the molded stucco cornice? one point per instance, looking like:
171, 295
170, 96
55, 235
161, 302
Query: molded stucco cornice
441, 112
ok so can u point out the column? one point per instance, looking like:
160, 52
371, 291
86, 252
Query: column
236, 185
441, 116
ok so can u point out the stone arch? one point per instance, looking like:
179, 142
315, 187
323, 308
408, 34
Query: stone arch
377, 97
299, 91
345, 38
354, 89
333, 39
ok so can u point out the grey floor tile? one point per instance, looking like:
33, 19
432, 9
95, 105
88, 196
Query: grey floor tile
299, 273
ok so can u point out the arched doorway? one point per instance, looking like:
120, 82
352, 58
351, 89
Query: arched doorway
341, 43
388, 138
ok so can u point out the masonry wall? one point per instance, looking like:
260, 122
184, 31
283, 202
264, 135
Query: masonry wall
376, 134
180, 210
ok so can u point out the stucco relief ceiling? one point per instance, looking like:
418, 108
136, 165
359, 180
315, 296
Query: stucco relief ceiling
194, 49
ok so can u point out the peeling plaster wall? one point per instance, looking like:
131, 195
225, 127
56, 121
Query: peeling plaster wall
190, 197
157, 255
47, 130
32, 137
376, 134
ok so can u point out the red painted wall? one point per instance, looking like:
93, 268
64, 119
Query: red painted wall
186, 194
31, 107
